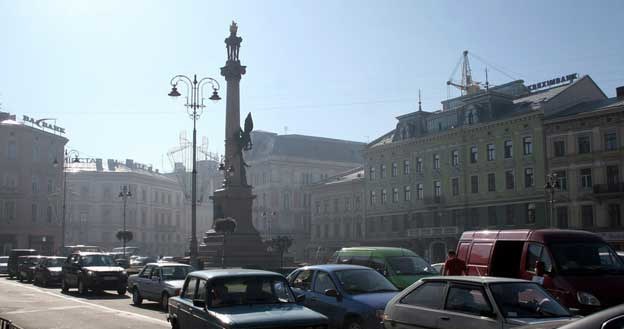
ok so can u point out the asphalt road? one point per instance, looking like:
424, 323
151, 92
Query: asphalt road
32, 307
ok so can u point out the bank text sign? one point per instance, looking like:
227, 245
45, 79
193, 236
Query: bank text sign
553, 82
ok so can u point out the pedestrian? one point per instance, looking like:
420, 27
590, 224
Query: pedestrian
454, 265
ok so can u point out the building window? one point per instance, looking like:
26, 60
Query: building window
584, 144
357, 202
395, 169
530, 213
382, 171
12, 150
335, 205
527, 145
510, 180
373, 198
407, 192
474, 184
384, 196
562, 217
455, 158
474, 156
491, 152
419, 165
509, 214
49, 214
420, 193
528, 177
33, 212
406, 167
610, 141
395, 195
559, 148
492, 220
436, 161
508, 149
455, 186
586, 178
35, 184
615, 217
587, 216
474, 217
491, 182
347, 204
371, 173
562, 179
613, 175
437, 189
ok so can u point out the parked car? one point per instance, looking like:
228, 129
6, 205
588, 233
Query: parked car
68, 250
467, 302
612, 318
158, 282
49, 271
401, 266
239, 298
141, 261
4, 264
26, 267
578, 267
13, 257
92, 270
351, 296
438, 267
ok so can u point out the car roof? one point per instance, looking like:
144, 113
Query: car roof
384, 250
596, 319
29, 250
335, 267
55, 257
474, 279
88, 253
32, 256
165, 264
227, 273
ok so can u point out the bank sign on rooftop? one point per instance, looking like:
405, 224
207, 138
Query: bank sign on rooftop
553, 82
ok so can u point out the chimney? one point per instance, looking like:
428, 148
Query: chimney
98, 165
130, 163
111, 165
619, 91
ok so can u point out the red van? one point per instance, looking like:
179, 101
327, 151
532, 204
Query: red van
579, 268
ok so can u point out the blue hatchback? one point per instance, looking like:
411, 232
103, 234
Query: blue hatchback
351, 296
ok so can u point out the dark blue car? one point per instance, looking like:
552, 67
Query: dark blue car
351, 296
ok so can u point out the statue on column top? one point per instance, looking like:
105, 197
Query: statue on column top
233, 43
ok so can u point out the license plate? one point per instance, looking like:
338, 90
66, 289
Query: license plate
110, 278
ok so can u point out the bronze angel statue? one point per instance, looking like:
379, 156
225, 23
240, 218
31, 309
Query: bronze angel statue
244, 144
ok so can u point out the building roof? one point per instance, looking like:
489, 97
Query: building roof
587, 107
114, 166
348, 176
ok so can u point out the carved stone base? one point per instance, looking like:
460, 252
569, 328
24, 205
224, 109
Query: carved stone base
236, 250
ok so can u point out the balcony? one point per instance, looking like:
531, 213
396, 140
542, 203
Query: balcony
433, 232
608, 189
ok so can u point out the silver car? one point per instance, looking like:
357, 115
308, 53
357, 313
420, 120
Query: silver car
158, 282
465, 302
4, 260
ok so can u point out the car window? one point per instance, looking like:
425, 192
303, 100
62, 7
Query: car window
526, 300
323, 282
303, 280
615, 323
147, 270
201, 290
189, 288
175, 272
468, 299
156, 271
429, 294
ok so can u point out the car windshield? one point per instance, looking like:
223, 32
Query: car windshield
410, 265
362, 281
55, 262
249, 291
175, 272
98, 260
526, 300
585, 257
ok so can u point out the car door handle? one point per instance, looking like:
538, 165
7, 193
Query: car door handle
445, 318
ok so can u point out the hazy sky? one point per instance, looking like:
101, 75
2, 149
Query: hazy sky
339, 69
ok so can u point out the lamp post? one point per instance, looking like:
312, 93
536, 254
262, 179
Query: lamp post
124, 194
552, 185
194, 107
67, 158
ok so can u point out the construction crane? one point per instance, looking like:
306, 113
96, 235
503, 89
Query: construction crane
467, 86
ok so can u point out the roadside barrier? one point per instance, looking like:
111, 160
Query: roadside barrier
7, 324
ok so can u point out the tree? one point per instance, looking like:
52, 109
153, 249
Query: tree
124, 236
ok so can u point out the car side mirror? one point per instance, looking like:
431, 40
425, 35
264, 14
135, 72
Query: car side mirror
300, 298
199, 303
332, 293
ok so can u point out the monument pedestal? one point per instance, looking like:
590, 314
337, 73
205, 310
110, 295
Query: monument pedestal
243, 247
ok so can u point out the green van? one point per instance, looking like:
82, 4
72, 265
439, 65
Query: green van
401, 266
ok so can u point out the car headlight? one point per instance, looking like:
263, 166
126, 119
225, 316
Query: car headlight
586, 298
124, 273
90, 273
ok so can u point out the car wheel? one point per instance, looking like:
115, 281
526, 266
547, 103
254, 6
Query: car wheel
82, 288
44, 282
19, 278
164, 302
353, 324
136, 297
121, 291
174, 323
64, 286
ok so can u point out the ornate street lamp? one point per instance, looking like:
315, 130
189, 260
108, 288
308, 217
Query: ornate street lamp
194, 107
124, 194
68, 158
552, 185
